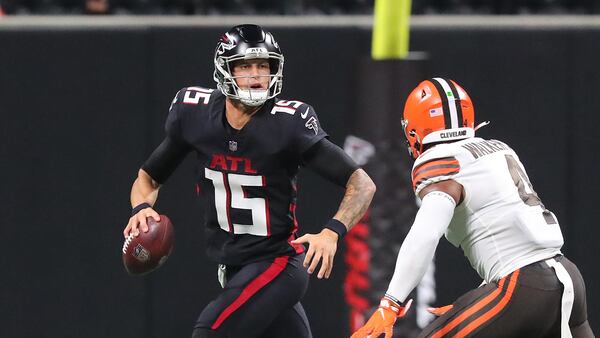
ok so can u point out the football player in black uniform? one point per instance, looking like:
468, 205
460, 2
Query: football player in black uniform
249, 145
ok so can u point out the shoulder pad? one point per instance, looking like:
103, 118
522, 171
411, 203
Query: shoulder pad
437, 164
194, 96
440, 150
290, 107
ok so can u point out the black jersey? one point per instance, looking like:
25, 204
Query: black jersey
247, 177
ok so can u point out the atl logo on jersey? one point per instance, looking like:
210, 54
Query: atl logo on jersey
232, 163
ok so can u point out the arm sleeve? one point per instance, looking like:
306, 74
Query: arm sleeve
165, 159
330, 161
172, 150
419, 246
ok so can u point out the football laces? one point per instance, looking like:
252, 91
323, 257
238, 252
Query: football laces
127, 242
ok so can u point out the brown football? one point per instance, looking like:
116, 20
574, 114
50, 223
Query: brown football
149, 250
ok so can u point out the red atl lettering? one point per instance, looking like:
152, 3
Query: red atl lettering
218, 162
232, 163
248, 167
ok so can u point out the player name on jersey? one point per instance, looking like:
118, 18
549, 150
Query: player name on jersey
478, 149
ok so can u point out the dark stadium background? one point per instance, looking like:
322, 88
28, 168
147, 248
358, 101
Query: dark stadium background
82, 104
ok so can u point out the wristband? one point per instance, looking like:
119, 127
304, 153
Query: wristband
389, 304
393, 299
393, 304
139, 207
337, 227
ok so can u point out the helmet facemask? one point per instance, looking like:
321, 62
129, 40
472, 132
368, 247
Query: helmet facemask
413, 141
228, 83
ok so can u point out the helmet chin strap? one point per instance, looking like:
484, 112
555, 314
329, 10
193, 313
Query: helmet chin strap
417, 147
482, 124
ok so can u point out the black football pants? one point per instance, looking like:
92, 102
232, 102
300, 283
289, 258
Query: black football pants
261, 300
526, 303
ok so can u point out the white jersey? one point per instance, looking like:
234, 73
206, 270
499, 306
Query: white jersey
501, 225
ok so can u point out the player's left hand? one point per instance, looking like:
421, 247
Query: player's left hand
383, 319
321, 247
440, 311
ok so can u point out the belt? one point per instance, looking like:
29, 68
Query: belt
542, 264
568, 296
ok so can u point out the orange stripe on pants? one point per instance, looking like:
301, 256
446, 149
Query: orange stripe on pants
470, 311
493, 311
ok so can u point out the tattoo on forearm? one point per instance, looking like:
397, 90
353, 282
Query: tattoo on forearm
359, 193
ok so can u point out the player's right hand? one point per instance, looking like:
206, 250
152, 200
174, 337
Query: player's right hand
138, 221
383, 319
321, 248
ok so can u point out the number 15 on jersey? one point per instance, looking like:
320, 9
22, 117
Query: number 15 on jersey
229, 193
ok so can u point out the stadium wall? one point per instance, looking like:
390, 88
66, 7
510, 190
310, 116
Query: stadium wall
82, 104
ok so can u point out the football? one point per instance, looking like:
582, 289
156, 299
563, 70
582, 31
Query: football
149, 250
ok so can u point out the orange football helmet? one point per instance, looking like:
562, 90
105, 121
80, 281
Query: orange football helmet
438, 110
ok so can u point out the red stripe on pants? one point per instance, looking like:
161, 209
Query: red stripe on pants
253, 287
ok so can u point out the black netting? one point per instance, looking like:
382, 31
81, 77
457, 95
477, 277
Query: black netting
393, 211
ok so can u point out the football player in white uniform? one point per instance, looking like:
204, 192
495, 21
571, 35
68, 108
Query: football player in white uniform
476, 192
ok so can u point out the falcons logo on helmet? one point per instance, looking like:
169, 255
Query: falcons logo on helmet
226, 44
274, 42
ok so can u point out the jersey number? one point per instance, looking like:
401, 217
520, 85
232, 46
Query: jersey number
525, 189
285, 106
194, 94
229, 193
